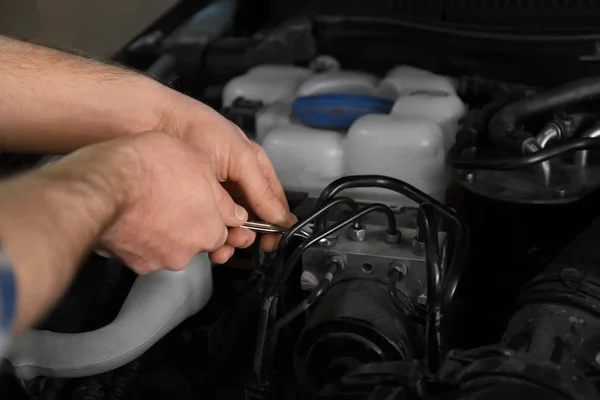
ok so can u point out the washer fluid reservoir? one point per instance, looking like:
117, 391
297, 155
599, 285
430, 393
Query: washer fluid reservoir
266, 83
408, 149
443, 108
305, 159
339, 82
312, 140
404, 79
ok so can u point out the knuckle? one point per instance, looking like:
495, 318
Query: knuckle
181, 261
142, 266
215, 237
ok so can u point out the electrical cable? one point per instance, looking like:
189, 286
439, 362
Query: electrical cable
428, 232
460, 230
525, 160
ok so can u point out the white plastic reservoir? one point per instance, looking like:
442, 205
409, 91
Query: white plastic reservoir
305, 159
443, 108
266, 83
270, 117
409, 149
409, 144
346, 82
404, 79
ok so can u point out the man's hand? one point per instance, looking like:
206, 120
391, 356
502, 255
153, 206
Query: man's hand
80, 102
149, 199
240, 164
172, 206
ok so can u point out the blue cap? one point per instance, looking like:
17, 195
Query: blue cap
338, 110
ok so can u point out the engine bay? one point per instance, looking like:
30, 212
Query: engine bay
448, 177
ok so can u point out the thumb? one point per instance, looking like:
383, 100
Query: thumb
260, 195
233, 214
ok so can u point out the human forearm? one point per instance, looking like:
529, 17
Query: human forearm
53, 102
49, 219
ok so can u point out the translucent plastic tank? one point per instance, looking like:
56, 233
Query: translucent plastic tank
266, 83
304, 158
443, 108
338, 82
410, 143
404, 79
270, 117
409, 149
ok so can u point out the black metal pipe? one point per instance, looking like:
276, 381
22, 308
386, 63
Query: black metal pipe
459, 228
505, 127
526, 160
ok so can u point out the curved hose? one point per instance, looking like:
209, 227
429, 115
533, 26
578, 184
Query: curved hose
512, 163
156, 304
428, 230
581, 157
504, 127
309, 301
287, 237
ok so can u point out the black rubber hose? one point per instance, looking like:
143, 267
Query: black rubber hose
404, 305
504, 128
287, 237
310, 299
428, 227
525, 160
460, 230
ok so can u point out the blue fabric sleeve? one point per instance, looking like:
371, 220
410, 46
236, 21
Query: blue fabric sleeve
8, 297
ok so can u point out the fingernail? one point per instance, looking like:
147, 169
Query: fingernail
240, 213
289, 218
231, 253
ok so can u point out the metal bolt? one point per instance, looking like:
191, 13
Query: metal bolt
422, 299
328, 241
340, 260
470, 177
393, 238
357, 235
400, 266
598, 359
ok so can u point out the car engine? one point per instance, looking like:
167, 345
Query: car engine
442, 156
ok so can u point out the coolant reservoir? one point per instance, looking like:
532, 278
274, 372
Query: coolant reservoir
270, 117
339, 82
408, 149
305, 159
266, 83
443, 108
404, 79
